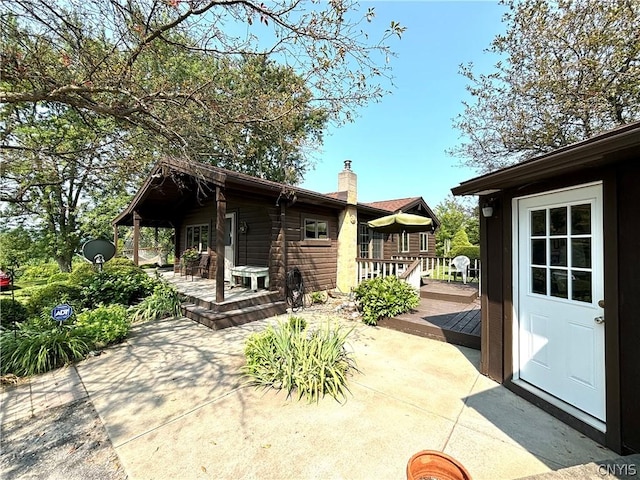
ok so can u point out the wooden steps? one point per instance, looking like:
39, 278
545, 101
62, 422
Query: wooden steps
232, 315
449, 292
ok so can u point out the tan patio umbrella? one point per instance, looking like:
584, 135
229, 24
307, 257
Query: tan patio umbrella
401, 222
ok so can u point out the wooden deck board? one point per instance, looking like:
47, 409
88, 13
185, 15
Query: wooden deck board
452, 322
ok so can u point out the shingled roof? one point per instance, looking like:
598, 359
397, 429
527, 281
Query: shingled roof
396, 204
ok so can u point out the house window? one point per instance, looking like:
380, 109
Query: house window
424, 242
403, 245
369, 242
316, 229
197, 237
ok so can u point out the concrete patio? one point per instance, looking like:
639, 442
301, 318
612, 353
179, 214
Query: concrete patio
175, 405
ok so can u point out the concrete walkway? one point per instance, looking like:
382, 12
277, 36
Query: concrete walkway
175, 405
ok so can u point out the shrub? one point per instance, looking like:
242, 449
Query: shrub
384, 297
289, 357
82, 274
12, 310
48, 296
58, 277
117, 287
40, 346
318, 297
104, 325
163, 302
471, 251
38, 272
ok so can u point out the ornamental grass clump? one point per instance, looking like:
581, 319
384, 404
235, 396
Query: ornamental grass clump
293, 357
41, 345
385, 297
163, 302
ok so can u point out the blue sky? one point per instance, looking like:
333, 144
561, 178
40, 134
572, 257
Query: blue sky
398, 146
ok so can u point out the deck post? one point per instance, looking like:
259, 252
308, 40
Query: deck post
283, 245
221, 212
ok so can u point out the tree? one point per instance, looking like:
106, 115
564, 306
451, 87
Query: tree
56, 159
568, 70
152, 63
455, 216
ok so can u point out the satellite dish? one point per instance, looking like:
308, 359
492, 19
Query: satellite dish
98, 251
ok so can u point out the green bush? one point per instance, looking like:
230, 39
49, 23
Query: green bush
58, 277
104, 325
12, 310
82, 274
40, 346
43, 271
48, 296
163, 302
471, 251
124, 287
291, 357
384, 297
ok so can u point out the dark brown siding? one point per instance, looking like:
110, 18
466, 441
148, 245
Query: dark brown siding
252, 247
315, 259
628, 180
492, 258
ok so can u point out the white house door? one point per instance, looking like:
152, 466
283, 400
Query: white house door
229, 244
560, 282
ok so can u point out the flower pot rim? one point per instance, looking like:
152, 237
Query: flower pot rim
443, 457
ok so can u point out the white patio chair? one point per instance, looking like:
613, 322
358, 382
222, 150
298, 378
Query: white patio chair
461, 264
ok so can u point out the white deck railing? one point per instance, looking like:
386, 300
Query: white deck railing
434, 267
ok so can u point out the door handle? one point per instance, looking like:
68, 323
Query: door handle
599, 320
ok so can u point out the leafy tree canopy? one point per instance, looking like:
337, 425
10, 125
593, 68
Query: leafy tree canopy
161, 65
569, 70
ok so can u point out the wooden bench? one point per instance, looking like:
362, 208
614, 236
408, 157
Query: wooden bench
247, 271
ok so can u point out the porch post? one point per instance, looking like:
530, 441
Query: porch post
115, 236
136, 236
221, 212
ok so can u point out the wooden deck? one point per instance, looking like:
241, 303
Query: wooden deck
454, 319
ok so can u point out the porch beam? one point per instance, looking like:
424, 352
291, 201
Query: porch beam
221, 212
136, 237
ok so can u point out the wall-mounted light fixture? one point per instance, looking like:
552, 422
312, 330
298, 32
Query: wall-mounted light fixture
243, 227
488, 208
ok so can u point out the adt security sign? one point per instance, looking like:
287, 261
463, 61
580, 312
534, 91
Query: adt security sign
61, 312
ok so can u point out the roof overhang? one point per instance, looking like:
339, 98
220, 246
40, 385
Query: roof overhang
614, 146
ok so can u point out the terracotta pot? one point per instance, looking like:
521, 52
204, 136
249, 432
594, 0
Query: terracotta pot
433, 465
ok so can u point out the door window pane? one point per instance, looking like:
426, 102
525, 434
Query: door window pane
581, 219
558, 247
558, 221
538, 222
539, 252
581, 286
559, 283
539, 280
581, 252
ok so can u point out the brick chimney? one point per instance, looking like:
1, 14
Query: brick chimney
347, 267
348, 182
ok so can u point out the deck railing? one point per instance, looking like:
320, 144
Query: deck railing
438, 268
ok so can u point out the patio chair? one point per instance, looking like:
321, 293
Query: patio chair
461, 264
199, 268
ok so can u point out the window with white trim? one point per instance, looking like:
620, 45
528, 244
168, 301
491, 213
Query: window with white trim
315, 229
197, 236
403, 244
424, 241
